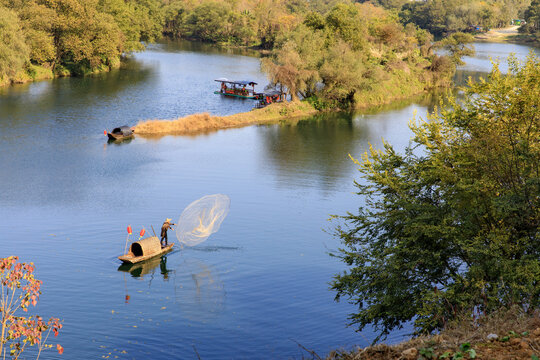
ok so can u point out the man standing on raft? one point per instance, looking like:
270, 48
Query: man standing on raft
166, 226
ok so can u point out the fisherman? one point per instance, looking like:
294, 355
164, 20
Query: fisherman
166, 226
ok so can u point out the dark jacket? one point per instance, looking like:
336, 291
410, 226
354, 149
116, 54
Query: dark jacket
166, 226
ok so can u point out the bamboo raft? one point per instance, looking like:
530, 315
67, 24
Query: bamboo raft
145, 249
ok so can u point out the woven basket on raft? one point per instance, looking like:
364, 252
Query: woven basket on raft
146, 246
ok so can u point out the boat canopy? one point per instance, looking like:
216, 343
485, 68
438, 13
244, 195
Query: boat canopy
146, 247
236, 82
124, 130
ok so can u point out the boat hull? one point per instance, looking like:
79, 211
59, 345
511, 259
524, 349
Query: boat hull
116, 137
252, 97
130, 259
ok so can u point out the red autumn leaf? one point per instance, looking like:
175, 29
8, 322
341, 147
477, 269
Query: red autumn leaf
129, 229
142, 232
60, 349
105, 132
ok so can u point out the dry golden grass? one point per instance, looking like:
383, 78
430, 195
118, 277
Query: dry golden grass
203, 123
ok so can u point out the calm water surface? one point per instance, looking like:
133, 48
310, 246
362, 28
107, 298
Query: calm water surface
257, 288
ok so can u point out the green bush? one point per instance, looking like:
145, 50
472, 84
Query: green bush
451, 226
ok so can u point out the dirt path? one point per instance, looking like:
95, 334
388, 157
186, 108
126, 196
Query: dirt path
500, 34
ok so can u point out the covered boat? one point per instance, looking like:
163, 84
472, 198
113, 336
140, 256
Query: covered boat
121, 132
237, 89
145, 249
270, 97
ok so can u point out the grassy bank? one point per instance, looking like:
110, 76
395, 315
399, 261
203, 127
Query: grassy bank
29, 74
201, 123
33, 72
509, 334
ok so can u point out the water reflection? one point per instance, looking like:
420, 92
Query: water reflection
179, 45
148, 267
198, 291
313, 145
119, 142
488, 52
66, 101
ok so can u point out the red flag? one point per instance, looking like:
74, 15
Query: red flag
129, 229
142, 232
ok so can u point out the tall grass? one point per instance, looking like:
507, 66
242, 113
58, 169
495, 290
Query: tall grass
200, 123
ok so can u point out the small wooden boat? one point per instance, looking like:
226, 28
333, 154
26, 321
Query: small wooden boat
237, 89
145, 249
121, 133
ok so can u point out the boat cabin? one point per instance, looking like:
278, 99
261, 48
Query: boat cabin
121, 132
242, 89
145, 249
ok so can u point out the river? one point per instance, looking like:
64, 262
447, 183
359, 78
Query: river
256, 289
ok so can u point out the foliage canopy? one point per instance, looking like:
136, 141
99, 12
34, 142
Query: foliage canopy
359, 55
452, 226
444, 17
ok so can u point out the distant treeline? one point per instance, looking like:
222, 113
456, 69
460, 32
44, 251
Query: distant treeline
532, 25
442, 17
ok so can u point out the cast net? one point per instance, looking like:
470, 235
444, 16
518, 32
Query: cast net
202, 218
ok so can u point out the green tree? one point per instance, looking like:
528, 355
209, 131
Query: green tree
38, 21
209, 22
83, 36
13, 50
458, 45
532, 17
288, 70
450, 227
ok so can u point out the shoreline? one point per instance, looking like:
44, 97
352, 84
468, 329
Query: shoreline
506, 334
33, 73
508, 35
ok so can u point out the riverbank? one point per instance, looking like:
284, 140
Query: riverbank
201, 123
506, 335
33, 72
499, 35
508, 35
29, 74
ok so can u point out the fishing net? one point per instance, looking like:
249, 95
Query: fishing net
202, 218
